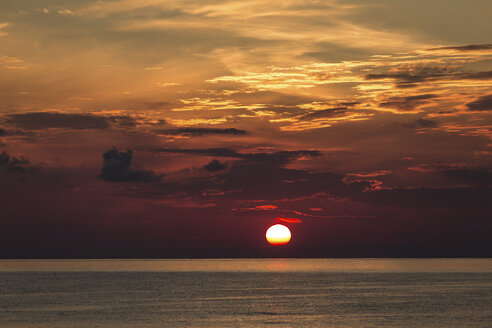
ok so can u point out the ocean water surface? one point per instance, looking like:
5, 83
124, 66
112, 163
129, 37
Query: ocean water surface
246, 293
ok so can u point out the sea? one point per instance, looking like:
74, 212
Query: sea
246, 293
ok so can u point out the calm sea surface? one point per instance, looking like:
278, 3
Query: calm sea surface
246, 293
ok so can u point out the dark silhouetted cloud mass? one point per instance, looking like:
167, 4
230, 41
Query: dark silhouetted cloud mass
117, 168
215, 165
10, 164
481, 104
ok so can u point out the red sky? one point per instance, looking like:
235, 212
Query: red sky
186, 128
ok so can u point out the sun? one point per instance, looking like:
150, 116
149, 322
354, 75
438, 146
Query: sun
278, 234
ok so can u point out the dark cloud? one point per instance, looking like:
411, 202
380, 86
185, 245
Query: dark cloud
416, 98
471, 47
215, 165
123, 121
330, 112
477, 175
349, 103
7, 133
464, 198
480, 176
46, 120
254, 176
487, 75
416, 74
406, 85
407, 103
216, 152
483, 103
9, 164
409, 79
276, 159
258, 180
41, 120
117, 168
420, 123
425, 123
200, 131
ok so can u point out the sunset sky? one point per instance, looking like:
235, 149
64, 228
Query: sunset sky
185, 128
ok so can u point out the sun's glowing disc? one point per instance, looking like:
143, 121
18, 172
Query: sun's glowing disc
278, 234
